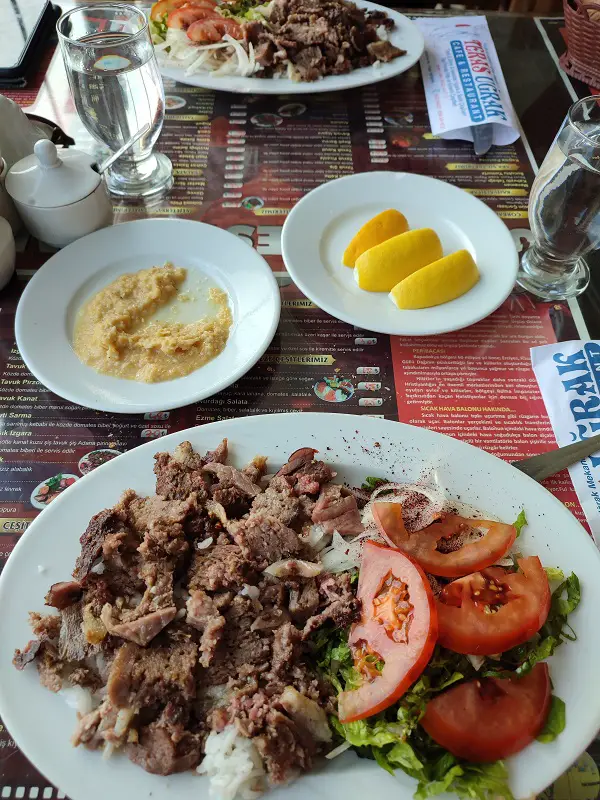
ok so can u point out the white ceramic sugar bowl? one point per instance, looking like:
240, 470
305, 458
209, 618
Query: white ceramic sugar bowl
60, 197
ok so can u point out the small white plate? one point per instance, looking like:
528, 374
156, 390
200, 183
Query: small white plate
321, 225
42, 723
405, 35
49, 305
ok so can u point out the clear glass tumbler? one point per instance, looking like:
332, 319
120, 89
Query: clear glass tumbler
117, 89
564, 208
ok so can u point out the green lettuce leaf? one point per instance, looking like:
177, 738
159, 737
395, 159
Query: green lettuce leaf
403, 756
394, 738
553, 633
554, 574
158, 30
520, 522
563, 605
557, 719
370, 732
371, 483
473, 781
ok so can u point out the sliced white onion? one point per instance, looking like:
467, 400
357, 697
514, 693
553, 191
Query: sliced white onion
341, 555
317, 538
124, 717
476, 661
78, 698
337, 751
292, 567
253, 592
415, 519
108, 750
204, 544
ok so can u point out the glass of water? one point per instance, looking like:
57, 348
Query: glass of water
564, 208
118, 90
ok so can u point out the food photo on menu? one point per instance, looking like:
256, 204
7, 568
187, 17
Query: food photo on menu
308, 246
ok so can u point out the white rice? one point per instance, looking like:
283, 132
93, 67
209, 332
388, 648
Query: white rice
233, 765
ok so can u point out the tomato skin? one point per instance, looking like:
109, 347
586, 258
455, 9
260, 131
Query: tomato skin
483, 721
422, 545
164, 7
404, 661
466, 628
212, 29
184, 17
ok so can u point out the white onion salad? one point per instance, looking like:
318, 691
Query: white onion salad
227, 57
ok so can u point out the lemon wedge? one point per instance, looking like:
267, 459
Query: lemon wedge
437, 283
385, 225
381, 267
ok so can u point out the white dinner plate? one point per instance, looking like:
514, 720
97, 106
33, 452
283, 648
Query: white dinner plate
41, 723
49, 305
405, 35
319, 228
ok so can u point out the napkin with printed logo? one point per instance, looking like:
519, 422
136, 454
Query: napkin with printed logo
568, 374
464, 84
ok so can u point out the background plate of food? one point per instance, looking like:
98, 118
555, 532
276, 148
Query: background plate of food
147, 316
279, 47
399, 253
232, 572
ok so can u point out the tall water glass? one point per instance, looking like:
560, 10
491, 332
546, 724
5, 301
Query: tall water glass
118, 90
564, 208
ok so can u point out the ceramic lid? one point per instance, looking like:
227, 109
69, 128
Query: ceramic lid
47, 179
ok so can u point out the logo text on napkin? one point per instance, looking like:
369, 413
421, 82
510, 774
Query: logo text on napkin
470, 57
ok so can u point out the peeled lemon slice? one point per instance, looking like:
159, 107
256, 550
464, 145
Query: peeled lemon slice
385, 225
437, 283
381, 267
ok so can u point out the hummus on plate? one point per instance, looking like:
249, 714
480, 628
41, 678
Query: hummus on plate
114, 332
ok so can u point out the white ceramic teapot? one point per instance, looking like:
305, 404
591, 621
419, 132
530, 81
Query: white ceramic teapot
18, 134
59, 196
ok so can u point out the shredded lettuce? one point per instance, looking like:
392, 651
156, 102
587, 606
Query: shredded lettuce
371, 483
245, 10
557, 719
552, 634
554, 574
158, 30
394, 738
520, 522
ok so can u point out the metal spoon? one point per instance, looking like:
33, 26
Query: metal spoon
111, 159
547, 464
483, 136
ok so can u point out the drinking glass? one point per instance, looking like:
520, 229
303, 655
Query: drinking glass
564, 208
117, 89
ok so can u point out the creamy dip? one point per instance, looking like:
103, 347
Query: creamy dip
114, 332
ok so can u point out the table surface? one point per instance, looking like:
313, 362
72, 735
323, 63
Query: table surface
476, 384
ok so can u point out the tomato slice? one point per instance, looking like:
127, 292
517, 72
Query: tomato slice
493, 610
164, 7
492, 718
398, 626
422, 545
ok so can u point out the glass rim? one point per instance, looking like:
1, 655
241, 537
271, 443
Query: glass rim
575, 107
95, 7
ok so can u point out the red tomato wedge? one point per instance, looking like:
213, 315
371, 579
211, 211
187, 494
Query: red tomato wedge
492, 718
184, 17
398, 626
167, 6
493, 610
422, 545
